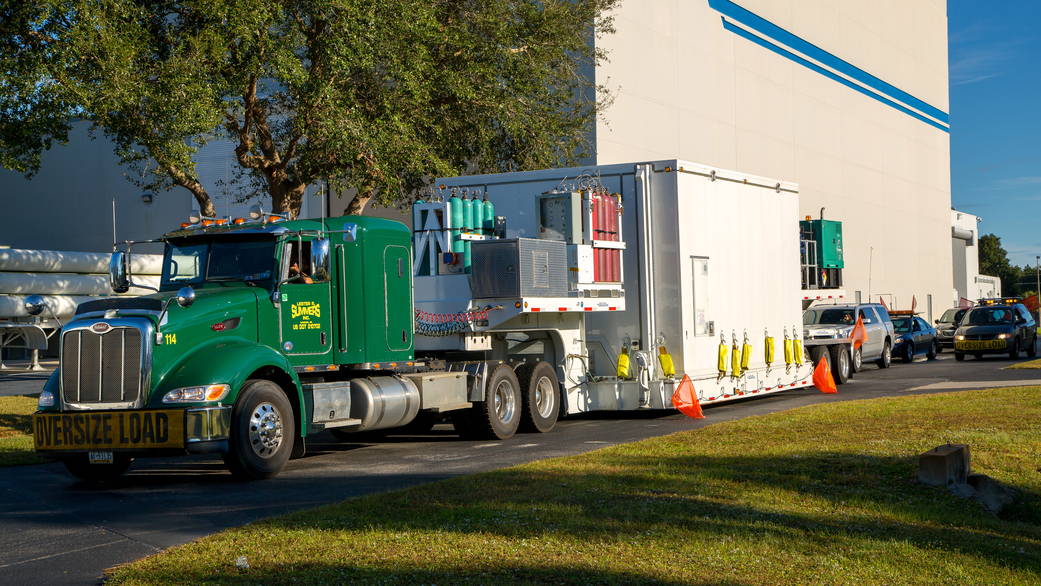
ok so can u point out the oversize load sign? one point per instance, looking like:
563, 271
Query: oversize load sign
108, 430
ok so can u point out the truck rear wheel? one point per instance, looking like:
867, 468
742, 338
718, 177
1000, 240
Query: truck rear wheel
840, 364
498, 415
540, 391
262, 431
79, 466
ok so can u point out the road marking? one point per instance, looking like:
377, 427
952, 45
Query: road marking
479, 446
598, 442
982, 384
526, 446
66, 552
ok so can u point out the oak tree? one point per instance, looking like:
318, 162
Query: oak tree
375, 96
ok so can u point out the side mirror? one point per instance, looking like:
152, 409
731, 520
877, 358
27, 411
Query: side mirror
936, 321
185, 296
867, 320
34, 304
119, 272
320, 259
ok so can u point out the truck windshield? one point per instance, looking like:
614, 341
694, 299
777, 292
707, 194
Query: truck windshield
952, 316
983, 316
215, 261
835, 316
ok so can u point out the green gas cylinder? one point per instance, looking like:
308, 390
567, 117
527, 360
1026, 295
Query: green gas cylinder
489, 217
455, 214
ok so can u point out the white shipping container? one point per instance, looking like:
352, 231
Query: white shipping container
711, 256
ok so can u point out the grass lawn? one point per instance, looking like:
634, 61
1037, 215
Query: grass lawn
16, 440
821, 494
1027, 364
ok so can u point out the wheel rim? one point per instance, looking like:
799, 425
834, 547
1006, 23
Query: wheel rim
544, 395
858, 359
505, 401
886, 353
910, 353
265, 430
844, 364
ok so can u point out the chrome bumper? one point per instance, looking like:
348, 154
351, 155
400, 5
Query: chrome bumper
204, 424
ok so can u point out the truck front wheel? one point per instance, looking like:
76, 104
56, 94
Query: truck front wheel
262, 431
540, 393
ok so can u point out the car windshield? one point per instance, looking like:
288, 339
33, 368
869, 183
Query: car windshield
216, 261
982, 316
902, 325
832, 316
952, 316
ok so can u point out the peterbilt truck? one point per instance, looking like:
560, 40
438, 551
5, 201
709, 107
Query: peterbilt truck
514, 299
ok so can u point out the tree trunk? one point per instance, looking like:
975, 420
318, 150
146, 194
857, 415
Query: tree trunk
358, 203
181, 178
287, 198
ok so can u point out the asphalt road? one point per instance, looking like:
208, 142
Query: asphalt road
59, 531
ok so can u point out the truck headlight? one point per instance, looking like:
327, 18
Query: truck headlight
46, 400
197, 394
959, 337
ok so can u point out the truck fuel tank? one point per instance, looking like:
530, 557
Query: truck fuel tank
382, 402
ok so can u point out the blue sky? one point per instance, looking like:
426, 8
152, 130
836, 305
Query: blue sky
995, 92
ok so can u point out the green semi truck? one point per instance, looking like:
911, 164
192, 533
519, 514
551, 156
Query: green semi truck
261, 333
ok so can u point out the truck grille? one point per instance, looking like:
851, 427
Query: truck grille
101, 368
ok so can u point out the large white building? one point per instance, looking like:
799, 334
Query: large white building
848, 98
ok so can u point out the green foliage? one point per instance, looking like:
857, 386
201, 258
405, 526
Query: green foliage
994, 261
378, 97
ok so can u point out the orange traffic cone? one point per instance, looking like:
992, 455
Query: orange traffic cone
822, 378
686, 400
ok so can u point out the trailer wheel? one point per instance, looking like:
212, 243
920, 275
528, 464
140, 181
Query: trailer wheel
817, 353
840, 364
499, 415
262, 431
79, 466
540, 391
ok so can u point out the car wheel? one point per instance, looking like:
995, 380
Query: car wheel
934, 349
262, 431
858, 360
1013, 352
908, 356
978, 355
840, 364
959, 356
887, 356
1032, 348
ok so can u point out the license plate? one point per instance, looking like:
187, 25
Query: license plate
980, 345
103, 431
100, 456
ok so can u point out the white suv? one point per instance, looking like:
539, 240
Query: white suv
827, 325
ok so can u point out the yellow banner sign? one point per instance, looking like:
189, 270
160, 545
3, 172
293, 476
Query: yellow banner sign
106, 430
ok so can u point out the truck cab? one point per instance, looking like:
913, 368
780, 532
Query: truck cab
250, 343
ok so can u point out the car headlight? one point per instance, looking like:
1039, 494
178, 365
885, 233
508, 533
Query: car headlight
1003, 336
46, 400
959, 337
197, 394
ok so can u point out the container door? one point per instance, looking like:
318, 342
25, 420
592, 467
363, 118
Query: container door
305, 308
397, 282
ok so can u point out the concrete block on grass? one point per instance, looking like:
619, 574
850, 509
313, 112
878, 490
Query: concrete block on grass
944, 465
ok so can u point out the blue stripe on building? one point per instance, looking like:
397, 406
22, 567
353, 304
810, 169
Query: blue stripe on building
885, 92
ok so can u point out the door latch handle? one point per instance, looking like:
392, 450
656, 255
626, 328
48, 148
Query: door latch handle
323, 338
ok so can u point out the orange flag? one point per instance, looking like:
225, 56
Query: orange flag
686, 400
822, 377
859, 335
